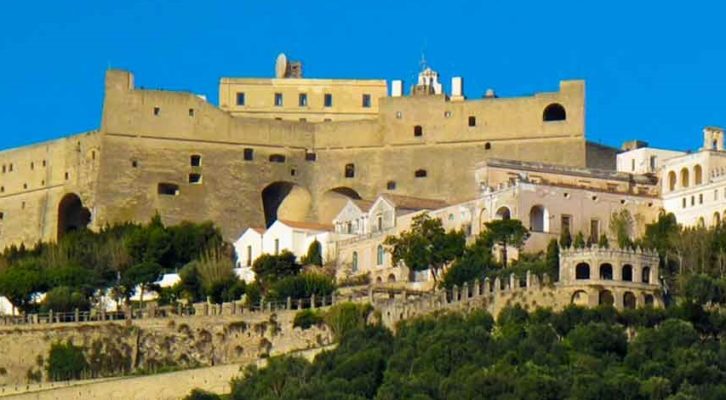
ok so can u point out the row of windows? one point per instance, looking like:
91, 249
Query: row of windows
9, 167
553, 112
349, 172
157, 111
582, 271
302, 100
380, 254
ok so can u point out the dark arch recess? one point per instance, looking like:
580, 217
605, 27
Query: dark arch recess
72, 215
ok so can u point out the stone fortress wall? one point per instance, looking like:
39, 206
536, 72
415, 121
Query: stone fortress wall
249, 171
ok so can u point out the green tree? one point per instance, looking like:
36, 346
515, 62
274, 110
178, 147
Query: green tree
622, 225
270, 268
579, 242
426, 245
552, 258
603, 242
66, 362
65, 299
507, 232
21, 280
198, 394
314, 255
143, 275
474, 263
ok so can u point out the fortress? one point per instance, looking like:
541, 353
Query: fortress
287, 147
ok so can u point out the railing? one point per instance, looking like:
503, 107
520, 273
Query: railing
195, 310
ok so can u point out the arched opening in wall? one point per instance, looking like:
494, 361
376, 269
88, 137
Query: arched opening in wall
628, 272
72, 215
554, 112
285, 200
701, 223
649, 300
629, 300
605, 298
580, 298
538, 219
606, 272
684, 178
716, 219
582, 271
646, 275
503, 213
482, 219
379, 280
672, 181
333, 201
697, 175
391, 278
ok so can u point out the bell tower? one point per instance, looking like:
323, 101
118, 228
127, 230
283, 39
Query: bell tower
713, 138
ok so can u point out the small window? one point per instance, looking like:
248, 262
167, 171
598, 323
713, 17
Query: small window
2, 215
277, 158
32, 165
195, 178
22, 205
684, 203
303, 100
248, 154
700, 198
418, 131
366, 101
191, 112
44, 163
4, 168
10, 167
278, 99
67, 175
328, 100
487, 146
447, 114
277, 246
399, 115
293, 171
25, 185
167, 189
327, 119
554, 112
134, 163
472, 120
420, 173
2, 189
391, 185
195, 160
310, 156
157, 111
349, 170
354, 264
303, 119
240, 98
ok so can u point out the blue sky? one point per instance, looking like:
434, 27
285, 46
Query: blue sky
654, 71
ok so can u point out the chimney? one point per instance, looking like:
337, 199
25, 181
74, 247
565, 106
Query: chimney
396, 88
457, 88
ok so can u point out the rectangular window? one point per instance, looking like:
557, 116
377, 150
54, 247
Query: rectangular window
249, 154
157, 111
684, 203
700, 198
632, 164
310, 156
249, 256
277, 246
328, 100
240, 98
278, 99
472, 121
594, 230
366, 101
195, 179
167, 189
303, 100
652, 163
565, 223
195, 160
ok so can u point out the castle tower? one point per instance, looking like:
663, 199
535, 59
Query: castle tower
712, 138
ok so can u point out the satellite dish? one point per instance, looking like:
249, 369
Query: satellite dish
281, 66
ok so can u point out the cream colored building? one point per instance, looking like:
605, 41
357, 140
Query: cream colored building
694, 185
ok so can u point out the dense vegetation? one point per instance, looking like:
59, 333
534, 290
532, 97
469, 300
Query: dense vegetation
675, 353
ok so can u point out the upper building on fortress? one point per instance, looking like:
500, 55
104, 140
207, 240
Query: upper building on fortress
287, 147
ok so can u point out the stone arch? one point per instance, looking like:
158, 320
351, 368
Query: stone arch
629, 300
697, 174
379, 280
672, 181
285, 200
504, 213
701, 222
605, 298
482, 219
684, 178
627, 273
716, 219
606, 271
333, 201
649, 300
582, 271
72, 215
645, 275
580, 298
391, 277
554, 112
539, 220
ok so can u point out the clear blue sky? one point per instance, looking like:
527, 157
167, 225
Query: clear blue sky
655, 72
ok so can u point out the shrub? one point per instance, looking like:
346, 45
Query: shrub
198, 394
66, 362
302, 286
344, 317
65, 299
307, 318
